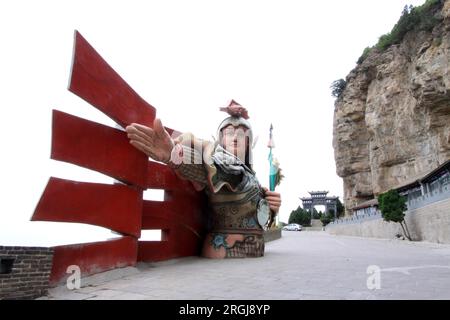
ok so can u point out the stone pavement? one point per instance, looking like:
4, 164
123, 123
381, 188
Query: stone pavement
301, 265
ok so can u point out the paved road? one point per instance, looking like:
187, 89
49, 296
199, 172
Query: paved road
301, 265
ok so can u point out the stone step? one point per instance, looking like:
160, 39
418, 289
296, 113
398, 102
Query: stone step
316, 223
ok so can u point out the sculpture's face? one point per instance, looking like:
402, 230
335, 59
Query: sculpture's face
235, 140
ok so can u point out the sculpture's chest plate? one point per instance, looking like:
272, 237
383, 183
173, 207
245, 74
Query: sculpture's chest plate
236, 211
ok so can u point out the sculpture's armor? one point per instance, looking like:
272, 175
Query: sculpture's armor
236, 213
234, 194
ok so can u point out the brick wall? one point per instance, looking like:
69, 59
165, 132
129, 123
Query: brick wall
24, 272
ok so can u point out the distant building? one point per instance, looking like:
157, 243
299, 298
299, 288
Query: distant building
366, 208
432, 187
428, 188
320, 198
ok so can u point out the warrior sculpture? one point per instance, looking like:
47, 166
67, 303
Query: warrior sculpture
239, 208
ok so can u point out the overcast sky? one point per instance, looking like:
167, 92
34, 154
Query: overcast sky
186, 58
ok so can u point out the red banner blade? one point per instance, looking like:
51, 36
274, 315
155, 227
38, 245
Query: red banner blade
180, 243
97, 147
156, 215
116, 207
93, 80
153, 251
160, 176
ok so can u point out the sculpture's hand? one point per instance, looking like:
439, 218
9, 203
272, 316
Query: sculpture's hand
274, 200
155, 143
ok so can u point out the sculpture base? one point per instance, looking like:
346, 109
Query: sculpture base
233, 245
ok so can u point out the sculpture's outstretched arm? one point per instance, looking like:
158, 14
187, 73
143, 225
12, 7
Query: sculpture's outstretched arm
187, 160
183, 154
155, 143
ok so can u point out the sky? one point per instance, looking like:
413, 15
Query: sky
277, 58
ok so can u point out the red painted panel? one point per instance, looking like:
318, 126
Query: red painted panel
96, 82
160, 176
152, 251
185, 243
188, 208
151, 223
93, 257
184, 213
117, 207
180, 243
97, 147
156, 215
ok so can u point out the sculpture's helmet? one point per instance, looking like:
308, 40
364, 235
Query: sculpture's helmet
238, 117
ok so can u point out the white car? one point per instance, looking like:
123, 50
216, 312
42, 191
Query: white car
293, 227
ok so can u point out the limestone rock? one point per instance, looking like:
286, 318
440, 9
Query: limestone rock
392, 122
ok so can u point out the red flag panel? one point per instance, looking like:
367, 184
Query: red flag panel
184, 213
96, 82
180, 243
153, 251
156, 215
184, 243
160, 176
93, 257
189, 209
183, 222
97, 147
116, 207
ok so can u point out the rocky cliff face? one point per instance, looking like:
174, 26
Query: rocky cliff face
392, 121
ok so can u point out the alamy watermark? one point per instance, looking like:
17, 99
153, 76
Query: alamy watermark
373, 281
74, 280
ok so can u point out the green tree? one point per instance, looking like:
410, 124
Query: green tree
316, 215
393, 206
340, 210
327, 218
292, 217
305, 218
300, 216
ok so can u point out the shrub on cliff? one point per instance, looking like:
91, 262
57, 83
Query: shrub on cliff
337, 87
364, 55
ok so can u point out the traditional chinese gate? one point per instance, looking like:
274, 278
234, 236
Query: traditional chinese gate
119, 207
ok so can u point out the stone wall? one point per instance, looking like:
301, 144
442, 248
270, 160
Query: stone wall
429, 223
272, 234
24, 272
